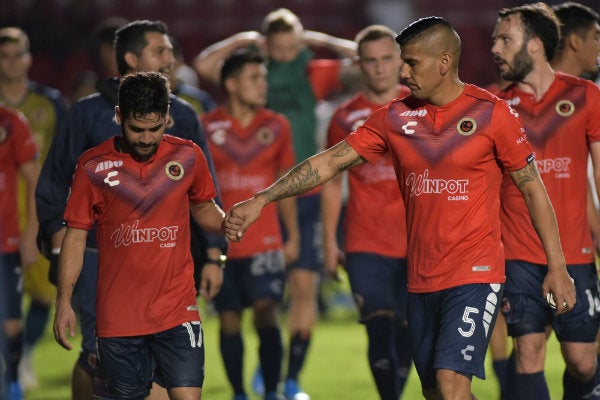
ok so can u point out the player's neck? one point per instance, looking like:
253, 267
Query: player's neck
567, 64
538, 81
446, 93
244, 113
381, 97
13, 91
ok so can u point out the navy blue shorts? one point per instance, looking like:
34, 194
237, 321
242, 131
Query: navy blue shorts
311, 234
526, 310
451, 329
11, 286
247, 280
378, 283
127, 365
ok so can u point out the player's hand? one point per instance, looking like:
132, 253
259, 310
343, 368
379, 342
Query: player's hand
210, 281
64, 319
333, 258
560, 284
241, 216
291, 250
28, 252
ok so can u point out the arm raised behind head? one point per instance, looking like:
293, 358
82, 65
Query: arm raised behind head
305, 176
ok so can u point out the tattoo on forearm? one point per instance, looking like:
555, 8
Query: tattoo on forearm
343, 151
298, 180
527, 174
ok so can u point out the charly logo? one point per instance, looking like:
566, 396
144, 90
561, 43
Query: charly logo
265, 136
565, 108
218, 137
109, 178
174, 170
407, 127
466, 126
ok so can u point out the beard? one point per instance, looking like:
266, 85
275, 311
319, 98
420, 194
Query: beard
520, 67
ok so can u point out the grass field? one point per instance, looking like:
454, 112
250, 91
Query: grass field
336, 368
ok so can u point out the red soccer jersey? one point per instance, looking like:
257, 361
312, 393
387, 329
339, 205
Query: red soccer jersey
559, 127
17, 147
375, 219
248, 159
448, 164
146, 271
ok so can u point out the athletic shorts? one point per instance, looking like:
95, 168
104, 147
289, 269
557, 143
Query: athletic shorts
311, 234
36, 282
127, 365
378, 283
451, 329
247, 280
526, 310
11, 286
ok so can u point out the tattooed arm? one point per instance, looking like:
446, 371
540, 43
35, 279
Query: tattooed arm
305, 176
557, 280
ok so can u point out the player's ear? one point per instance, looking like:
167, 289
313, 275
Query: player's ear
445, 63
168, 116
132, 60
118, 115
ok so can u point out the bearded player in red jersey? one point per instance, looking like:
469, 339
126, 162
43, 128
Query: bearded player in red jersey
139, 189
450, 143
559, 113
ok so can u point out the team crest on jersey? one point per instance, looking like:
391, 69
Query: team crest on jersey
265, 136
174, 170
466, 126
565, 108
218, 137
3, 134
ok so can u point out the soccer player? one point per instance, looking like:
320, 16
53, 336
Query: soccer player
296, 81
375, 262
449, 142
140, 46
559, 114
139, 189
18, 157
252, 146
44, 109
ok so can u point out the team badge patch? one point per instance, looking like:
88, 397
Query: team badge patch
466, 126
265, 136
565, 108
174, 170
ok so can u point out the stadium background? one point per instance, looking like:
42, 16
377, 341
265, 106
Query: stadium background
62, 31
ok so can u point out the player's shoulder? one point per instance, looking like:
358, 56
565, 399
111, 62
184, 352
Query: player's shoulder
573, 80
176, 141
268, 114
180, 106
45, 91
97, 151
481, 94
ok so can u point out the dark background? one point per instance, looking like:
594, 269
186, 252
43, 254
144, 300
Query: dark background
63, 45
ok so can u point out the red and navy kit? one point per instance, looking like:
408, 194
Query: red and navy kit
17, 146
375, 219
559, 126
248, 159
142, 216
449, 163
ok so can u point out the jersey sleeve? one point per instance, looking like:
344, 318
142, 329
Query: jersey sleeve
369, 139
202, 188
513, 150
593, 105
79, 212
324, 76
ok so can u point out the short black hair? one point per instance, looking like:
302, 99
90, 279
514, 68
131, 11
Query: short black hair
236, 62
143, 93
574, 18
132, 38
419, 26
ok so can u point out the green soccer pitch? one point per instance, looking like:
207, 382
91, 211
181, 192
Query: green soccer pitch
336, 367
